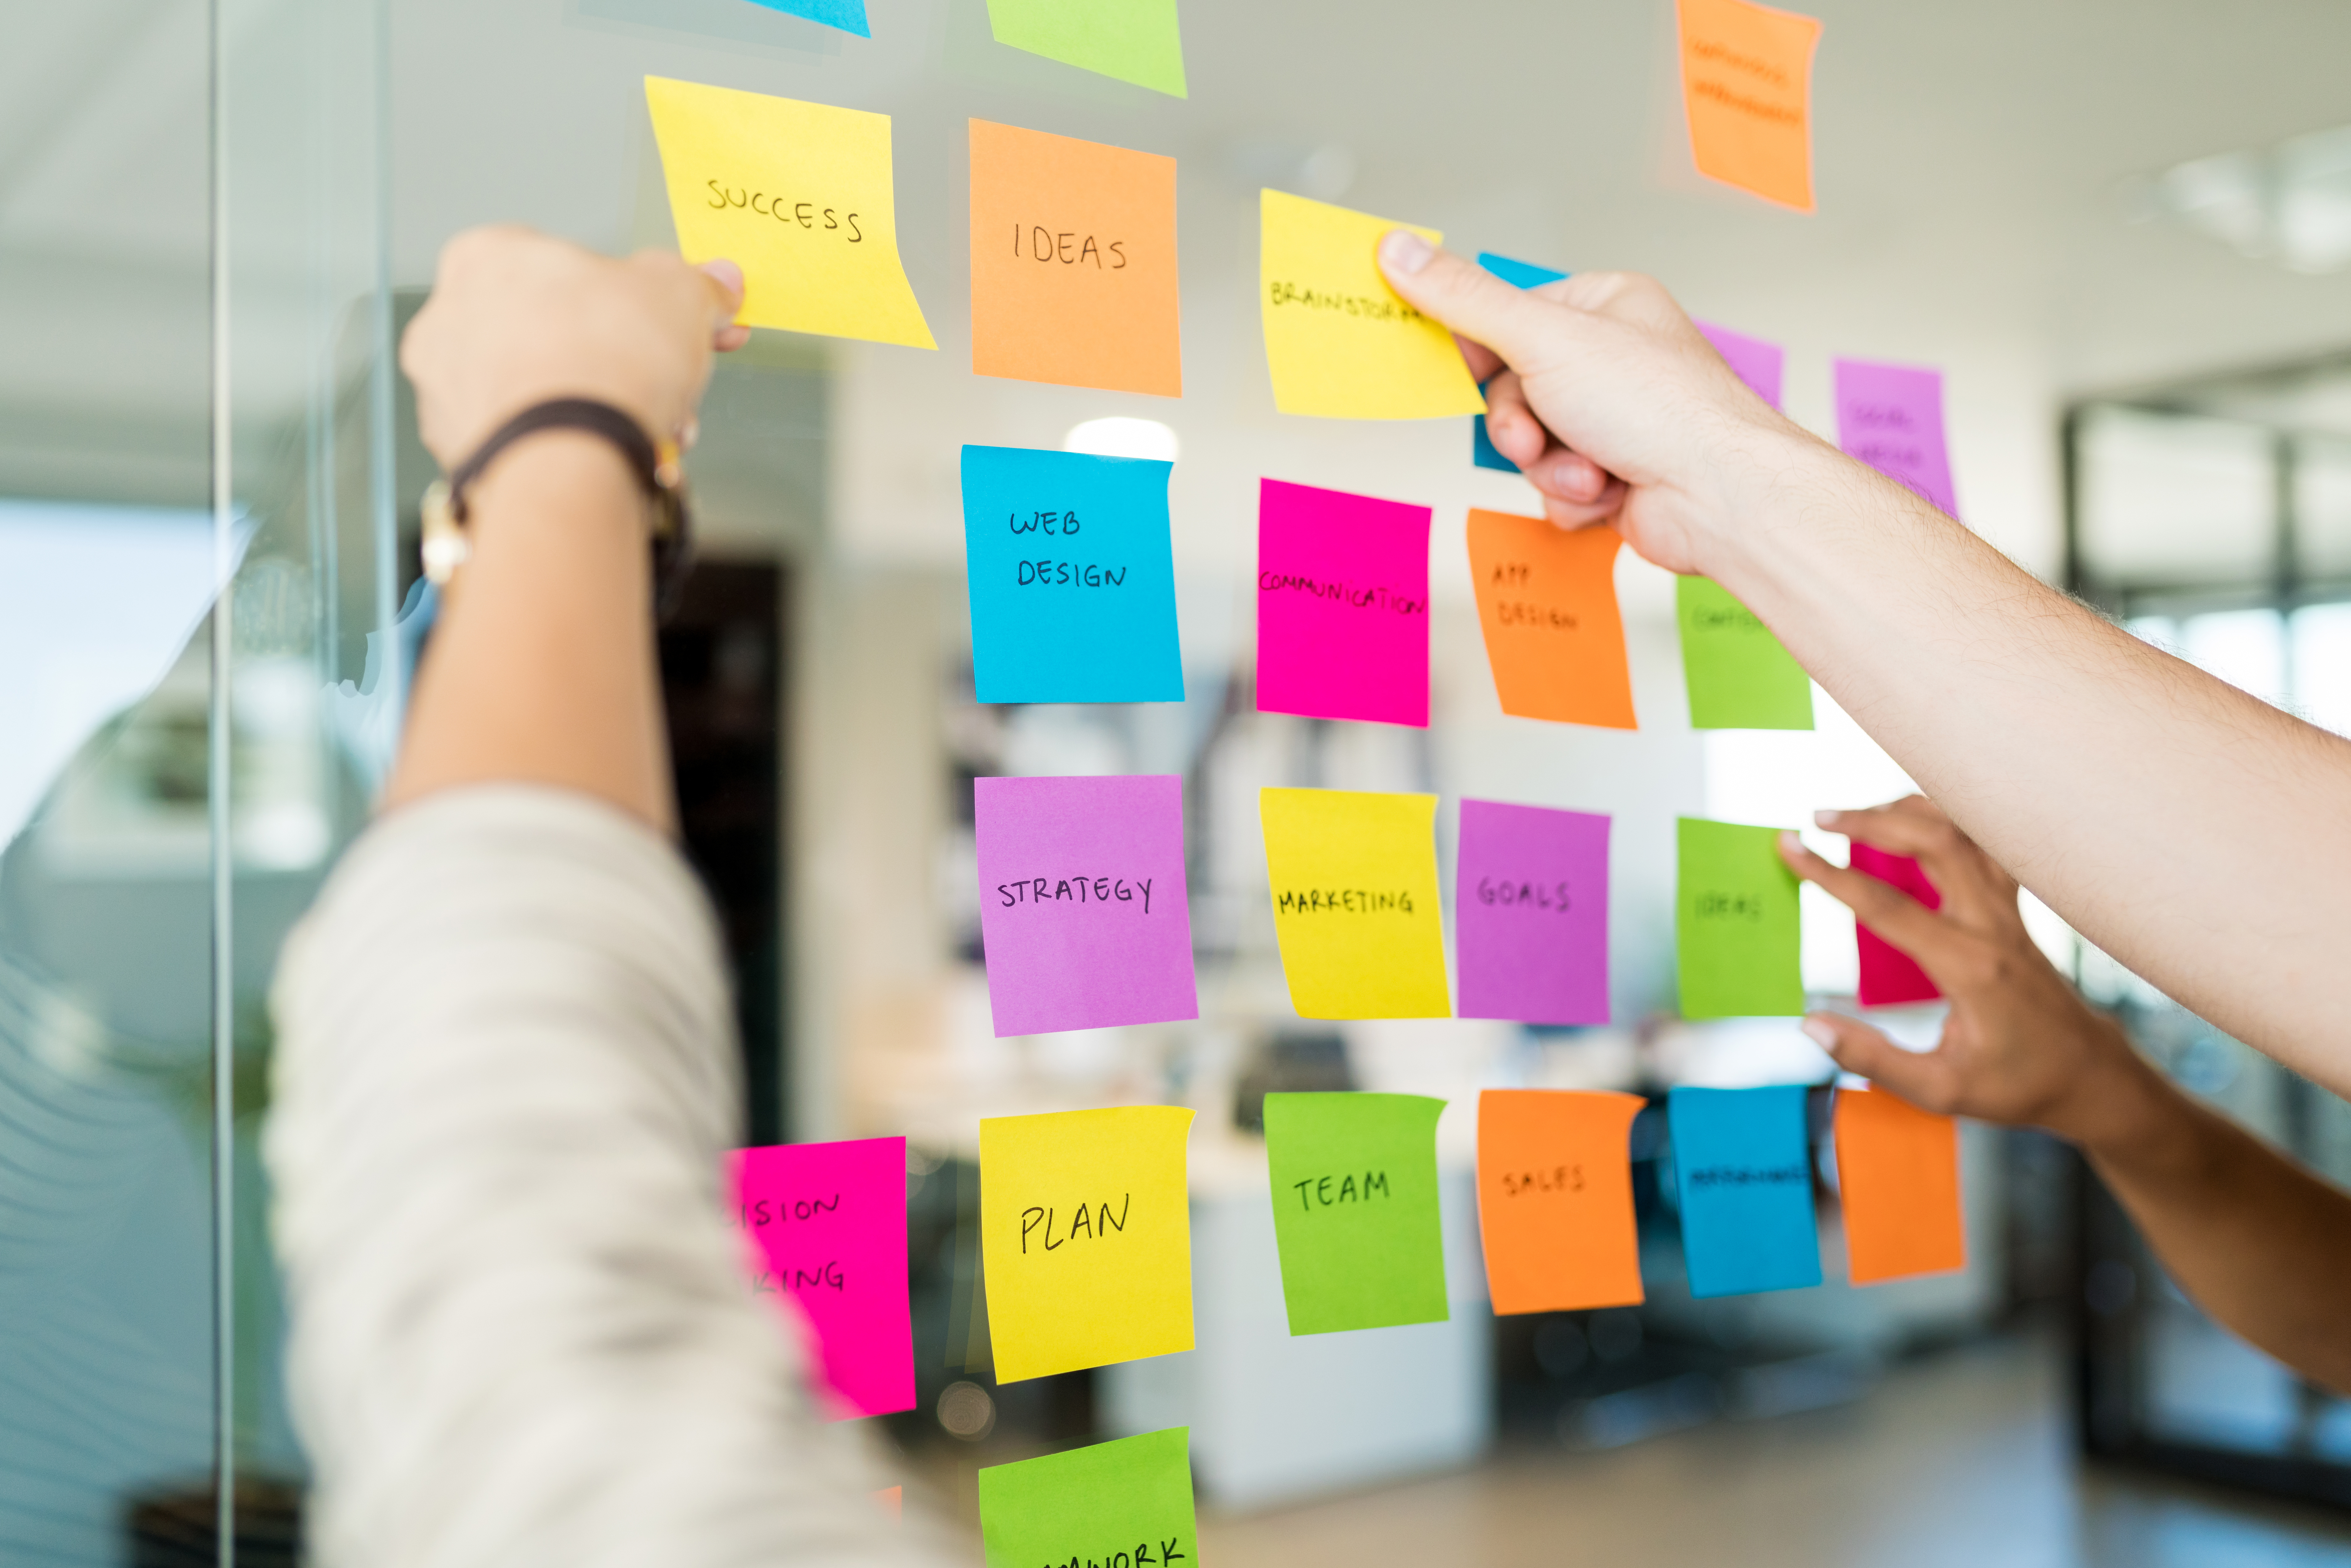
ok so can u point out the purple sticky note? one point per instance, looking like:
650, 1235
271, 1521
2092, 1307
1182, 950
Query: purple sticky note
1756, 362
1889, 977
1342, 605
1530, 914
1891, 417
825, 1230
1082, 903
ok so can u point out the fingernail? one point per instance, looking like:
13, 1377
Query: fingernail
1791, 842
727, 272
1819, 1034
1573, 480
1826, 818
1404, 251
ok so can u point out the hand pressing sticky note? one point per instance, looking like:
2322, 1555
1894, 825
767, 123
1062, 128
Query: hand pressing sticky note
1355, 1212
1082, 912
1736, 932
1085, 1229
1342, 605
1136, 41
1898, 1175
1354, 879
1758, 363
826, 1225
1071, 576
1746, 90
1743, 1173
1737, 673
1530, 914
1891, 417
1340, 342
1547, 602
1128, 1501
800, 195
1074, 263
1889, 977
1556, 1200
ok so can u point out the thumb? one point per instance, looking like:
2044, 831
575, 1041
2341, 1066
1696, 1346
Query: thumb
1925, 1081
1467, 300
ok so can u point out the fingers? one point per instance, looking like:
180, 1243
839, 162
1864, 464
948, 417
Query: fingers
1518, 326
1575, 490
726, 293
1510, 425
1925, 1081
1584, 514
1482, 360
1893, 914
1916, 827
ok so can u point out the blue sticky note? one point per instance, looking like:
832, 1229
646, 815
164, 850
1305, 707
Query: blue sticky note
1518, 275
1072, 578
1743, 1170
849, 16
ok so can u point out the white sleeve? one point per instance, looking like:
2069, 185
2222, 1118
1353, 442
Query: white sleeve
505, 1083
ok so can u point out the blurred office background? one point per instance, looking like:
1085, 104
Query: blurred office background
2121, 230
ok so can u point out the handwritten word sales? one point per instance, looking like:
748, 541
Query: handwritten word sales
1051, 889
806, 213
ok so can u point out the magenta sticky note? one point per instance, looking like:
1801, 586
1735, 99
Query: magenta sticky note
825, 1225
1530, 914
1889, 977
1082, 903
1758, 363
1891, 417
1342, 605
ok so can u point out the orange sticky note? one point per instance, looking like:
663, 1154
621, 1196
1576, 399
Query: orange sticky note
1898, 1170
893, 1500
1074, 263
1747, 88
1555, 1199
1547, 599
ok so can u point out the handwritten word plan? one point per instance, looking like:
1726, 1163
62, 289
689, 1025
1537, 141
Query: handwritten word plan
1074, 263
1746, 91
1518, 275
1353, 880
1555, 1199
1736, 936
1547, 604
1530, 914
1737, 673
826, 1225
1071, 573
1126, 1503
848, 15
1085, 1227
1760, 364
1898, 1177
1891, 417
1082, 912
1355, 1212
1342, 605
1338, 340
1889, 977
1135, 41
1743, 1176
800, 195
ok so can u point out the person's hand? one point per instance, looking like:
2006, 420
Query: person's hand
2021, 1046
518, 317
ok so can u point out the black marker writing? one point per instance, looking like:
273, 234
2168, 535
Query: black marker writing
807, 214
1083, 890
1341, 901
1094, 1225
1319, 1191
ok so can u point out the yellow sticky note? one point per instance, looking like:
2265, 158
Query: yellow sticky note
1354, 902
1339, 341
800, 195
1085, 1233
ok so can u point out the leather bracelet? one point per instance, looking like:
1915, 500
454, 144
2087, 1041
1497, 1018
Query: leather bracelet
655, 466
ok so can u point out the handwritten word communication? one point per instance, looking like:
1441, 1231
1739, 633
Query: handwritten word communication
1346, 593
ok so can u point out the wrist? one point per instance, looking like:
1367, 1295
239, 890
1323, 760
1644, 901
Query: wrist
2119, 1107
1741, 517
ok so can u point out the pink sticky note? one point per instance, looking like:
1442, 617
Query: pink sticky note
1891, 417
1889, 977
1082, 902
1758, 363
1342, 605
825, 1228
1530, 914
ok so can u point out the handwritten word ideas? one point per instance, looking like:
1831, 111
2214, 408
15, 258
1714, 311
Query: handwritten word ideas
1746, 91
1556, 1200
1354, 902
1891, 417
1737, 673
1547, 604
1121, 1504
1736, 930
1743, 1169
1530, 914
1342, 605
1356, 1254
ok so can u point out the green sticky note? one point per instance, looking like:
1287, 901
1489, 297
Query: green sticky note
1735, 927
1125, 1501
1354, 1210
1134, 41
1739, 675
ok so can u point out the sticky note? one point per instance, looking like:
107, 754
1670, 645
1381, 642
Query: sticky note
1356, 1209
1342, 605
1519, 275
1340, 342
1758, 363
1891, 417
1135, 41
1530, 914
1074, 263
826, 1225
1746, 90
1085, 1234
849, 16
1130, 1499
1071, 575
800, 195
1082, 912
893, 1500
1735, 933
1547, 603
1898, 1175
1889, 977
1738, 674
1354, 879
1743, 1173
1556, 1200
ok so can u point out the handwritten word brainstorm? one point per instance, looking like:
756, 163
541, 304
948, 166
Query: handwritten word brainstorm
1364, 307
1094, 1224
1058, 889
1069, 248
1354, 596
807, 214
